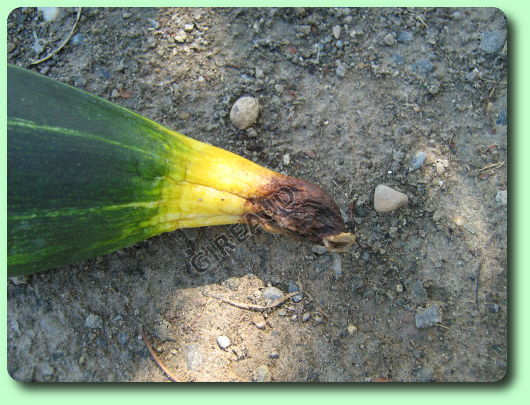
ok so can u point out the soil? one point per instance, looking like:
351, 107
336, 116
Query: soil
351, 96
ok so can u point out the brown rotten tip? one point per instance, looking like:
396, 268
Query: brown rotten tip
301, 210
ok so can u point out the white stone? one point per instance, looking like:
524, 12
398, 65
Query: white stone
244, 112
50, 13
336, 31
223, 342
387, 199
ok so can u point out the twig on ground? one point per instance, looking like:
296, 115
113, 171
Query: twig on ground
157, 360
253, 307
62, 44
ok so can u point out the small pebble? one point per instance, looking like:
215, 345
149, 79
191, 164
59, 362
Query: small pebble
259, 322
405, 36
262, 374
274, 355
286, 159
126, 15
123, 338
292, 287
193, 356
93, 321
244, 112
50, 13
457, 15
77, 39
473, 75
419, 291
282, 312
336, 31
251, 132
319, 249
306, 316
502, 118
223, 342
387, 199
458, 220
492, 41
399, 288
437, 215
494, 308
180, 37
51, 325
389, 40
337, 265
352, 329
47, 370
428, 317
501, 198
259, 73
188, 27
272, 293
340, 71
115, 93
318, 318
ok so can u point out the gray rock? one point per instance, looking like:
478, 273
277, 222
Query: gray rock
180, 37
306, 316
93, 321
336, 31
473, 75
272, 293
492, 41
223, 342
77, 39
424, 374
319, 249
51, 325
292, 287
47, 370
259, 73
340, 71
274, 355
502, 118
357, 282
428, 317
123, 338
262, 374
193, 356
405, 36
337, 265
387, 199
502, 198
259, 322
389, 40
244, 112
419, 291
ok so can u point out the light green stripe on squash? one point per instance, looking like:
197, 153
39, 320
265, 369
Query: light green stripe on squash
85, 177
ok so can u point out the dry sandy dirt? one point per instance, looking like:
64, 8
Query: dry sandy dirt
352, 96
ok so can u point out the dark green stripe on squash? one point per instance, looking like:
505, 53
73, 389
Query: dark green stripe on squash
84, 175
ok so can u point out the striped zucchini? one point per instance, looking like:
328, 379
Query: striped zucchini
87, 177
